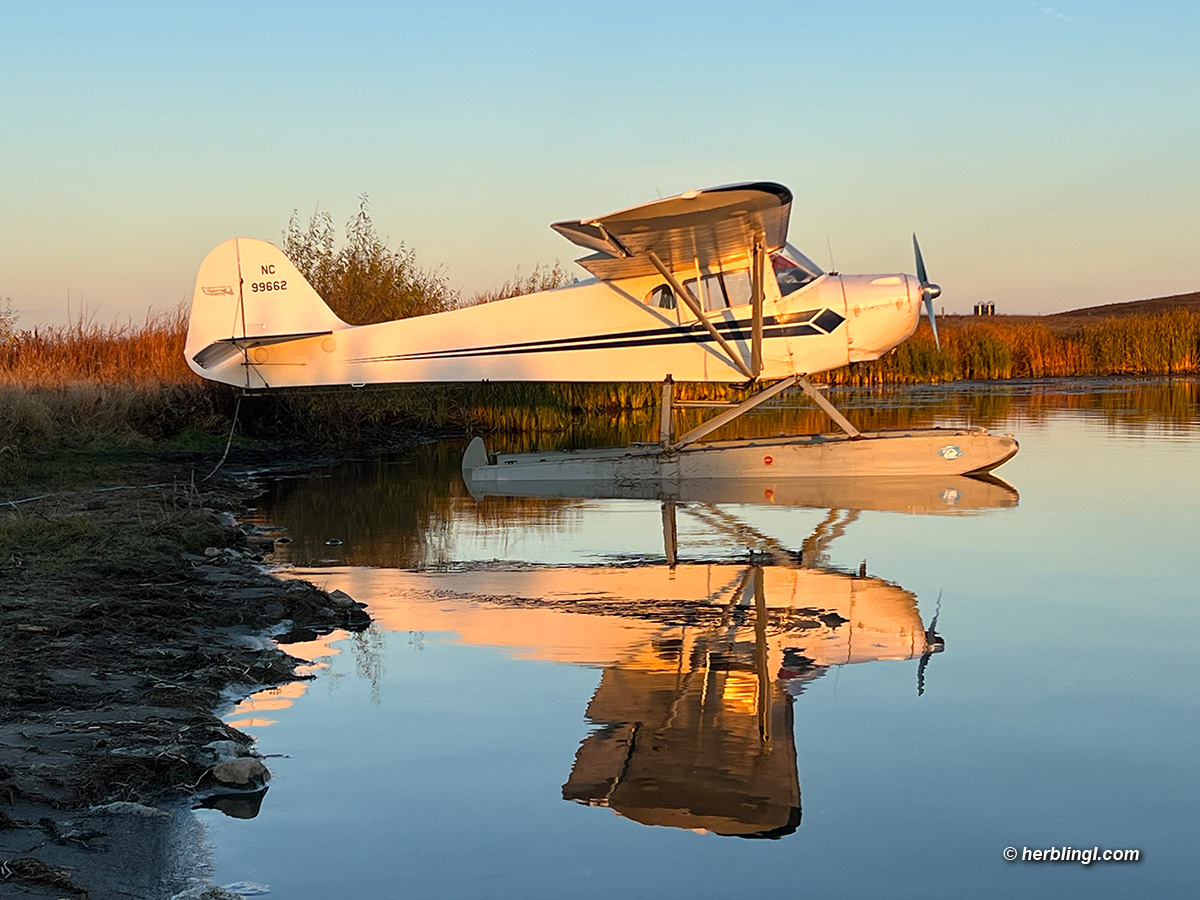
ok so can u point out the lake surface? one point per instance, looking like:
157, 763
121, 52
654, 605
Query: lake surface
876, 697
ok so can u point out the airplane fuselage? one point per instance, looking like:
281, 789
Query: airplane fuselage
597, 330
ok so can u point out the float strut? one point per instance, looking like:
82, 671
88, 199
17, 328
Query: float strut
670, 533
762, 669
666, 417
666, 429
741, 409
830, 410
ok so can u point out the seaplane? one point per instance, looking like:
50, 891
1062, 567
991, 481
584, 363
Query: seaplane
700, 287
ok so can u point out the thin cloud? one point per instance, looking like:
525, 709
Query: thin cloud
1050, 12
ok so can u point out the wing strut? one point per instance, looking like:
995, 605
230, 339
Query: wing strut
694, 305
756, 300
761, 667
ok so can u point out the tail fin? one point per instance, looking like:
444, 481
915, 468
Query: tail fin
248, 294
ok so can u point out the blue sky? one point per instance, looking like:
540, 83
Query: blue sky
1046, 156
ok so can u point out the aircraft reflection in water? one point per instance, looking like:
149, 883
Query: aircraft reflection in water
701, 661
695, 730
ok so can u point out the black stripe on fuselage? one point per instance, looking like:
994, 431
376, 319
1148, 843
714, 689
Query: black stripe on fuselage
738, 331
701, 338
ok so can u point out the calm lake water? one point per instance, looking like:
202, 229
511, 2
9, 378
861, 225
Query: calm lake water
871, 699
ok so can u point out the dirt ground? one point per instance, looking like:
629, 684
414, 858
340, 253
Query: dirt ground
132, 608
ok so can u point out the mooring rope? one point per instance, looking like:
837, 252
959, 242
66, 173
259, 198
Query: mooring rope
229, 443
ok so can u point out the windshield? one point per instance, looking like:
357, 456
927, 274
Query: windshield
793, 269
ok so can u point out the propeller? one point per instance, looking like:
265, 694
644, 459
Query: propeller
929, 291
933, 644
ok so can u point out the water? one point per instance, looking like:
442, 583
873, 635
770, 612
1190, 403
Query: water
545, 708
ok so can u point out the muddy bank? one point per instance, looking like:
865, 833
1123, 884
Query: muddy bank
132, 607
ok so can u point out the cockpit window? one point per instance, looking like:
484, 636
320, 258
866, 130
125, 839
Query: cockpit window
793, 270
712, 297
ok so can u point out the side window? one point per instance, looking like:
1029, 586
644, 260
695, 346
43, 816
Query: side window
714, 293
722, 290
737, 287
661, 297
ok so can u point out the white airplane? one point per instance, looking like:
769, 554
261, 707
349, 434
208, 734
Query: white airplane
682, 291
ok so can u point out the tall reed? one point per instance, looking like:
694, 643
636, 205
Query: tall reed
1166, 343
84, 352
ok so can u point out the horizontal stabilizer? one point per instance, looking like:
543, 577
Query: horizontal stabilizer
221, 350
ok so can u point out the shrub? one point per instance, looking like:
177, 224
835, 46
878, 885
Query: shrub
364, 281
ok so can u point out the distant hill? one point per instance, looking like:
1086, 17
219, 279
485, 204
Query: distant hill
1074, 321
1134, 307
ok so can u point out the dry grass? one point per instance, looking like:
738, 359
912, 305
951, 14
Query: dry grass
1163, 343
35, 418
150, 354
86, 383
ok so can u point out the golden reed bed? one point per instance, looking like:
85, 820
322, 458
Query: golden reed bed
86, 382
1165, 343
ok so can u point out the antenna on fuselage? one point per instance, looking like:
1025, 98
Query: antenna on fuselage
829, 245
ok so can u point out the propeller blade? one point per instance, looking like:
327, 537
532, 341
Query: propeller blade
929, 291
932, 318
921, 276
933, 644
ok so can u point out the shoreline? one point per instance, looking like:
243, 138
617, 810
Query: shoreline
130, 618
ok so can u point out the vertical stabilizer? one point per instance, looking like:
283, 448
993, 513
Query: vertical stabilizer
248, 294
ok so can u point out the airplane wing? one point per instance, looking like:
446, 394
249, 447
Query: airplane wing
710, 225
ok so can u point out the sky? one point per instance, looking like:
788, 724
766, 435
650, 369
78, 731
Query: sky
1047, 157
